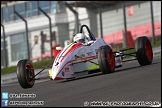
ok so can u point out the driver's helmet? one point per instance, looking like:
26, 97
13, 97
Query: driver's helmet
80, 37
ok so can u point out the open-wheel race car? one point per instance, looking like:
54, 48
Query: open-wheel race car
86, 55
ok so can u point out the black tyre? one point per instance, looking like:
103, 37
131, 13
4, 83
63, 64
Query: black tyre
25, 74
143, 51
106, 59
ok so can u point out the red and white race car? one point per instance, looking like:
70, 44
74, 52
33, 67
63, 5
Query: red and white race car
86, 55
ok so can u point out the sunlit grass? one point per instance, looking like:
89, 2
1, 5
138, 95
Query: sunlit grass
157, 43
39, 64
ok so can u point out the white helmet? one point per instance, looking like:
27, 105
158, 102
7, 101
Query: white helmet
80, 37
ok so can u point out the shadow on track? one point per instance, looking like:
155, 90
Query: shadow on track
135, 67
99, 73
87, 76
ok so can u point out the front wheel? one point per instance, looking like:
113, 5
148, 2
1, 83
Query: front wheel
25, 74
143, 51
106, 59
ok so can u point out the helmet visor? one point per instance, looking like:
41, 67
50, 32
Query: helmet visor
80, 40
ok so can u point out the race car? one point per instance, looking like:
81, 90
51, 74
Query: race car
86, 55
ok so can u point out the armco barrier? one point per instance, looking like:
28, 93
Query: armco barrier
157, 51
13, 77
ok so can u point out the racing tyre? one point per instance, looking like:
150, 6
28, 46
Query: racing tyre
143, 51
106, 59
25, 74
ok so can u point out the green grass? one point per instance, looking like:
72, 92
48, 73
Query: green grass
8, 70
158, 43
39, 64
43, 63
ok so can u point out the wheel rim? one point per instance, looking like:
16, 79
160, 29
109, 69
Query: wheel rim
30, 73
148, 50
110, 59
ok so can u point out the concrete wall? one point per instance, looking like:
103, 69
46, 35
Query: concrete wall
113, 19
92, 15
157, 11
62, 33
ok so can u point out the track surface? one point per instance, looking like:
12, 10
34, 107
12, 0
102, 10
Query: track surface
132, 83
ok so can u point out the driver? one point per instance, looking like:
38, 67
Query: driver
80, 37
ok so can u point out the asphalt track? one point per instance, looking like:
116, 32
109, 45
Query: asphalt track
130, 83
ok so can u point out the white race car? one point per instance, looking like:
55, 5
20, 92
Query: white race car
86, 55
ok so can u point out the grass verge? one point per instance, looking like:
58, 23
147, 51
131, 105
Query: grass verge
39, 64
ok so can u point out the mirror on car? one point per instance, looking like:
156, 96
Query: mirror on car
90, 42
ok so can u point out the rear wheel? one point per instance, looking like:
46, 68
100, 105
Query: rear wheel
25, 73
106, 59
143, 51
